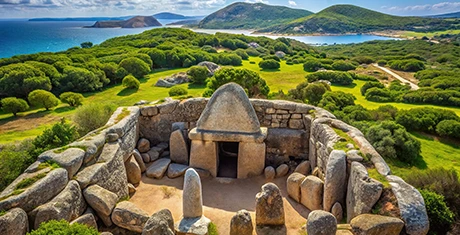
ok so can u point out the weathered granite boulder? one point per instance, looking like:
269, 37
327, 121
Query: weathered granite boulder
131, 189
176, 170
311, 191
93, 146
178, 149
280, 54
363, 192
269, 173
164, 83
102, 201
67, 205
321, 223
145, 157
143, 145
335, 181
109, 172
140, 161
38, 193
154, 153
128, 216
178, 78
269, 206
337, 211
282, 170
212, 67
86, 219
70, 159
303, 168
241, 223
367, 224
160, 223
14, 222
133, 171
293, 185
158, 168
411, 206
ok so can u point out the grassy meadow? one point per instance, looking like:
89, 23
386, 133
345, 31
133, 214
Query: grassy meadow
435, 152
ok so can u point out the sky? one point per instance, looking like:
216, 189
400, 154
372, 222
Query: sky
76, 8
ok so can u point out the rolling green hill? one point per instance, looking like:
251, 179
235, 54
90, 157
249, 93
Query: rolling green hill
340, 19
251, 16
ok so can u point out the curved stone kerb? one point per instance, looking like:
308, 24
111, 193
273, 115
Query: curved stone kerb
229, 110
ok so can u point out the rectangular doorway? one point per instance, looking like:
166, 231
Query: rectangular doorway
228, 159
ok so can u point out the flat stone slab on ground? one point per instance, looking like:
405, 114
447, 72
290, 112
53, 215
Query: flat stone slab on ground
158, 168
195, 226
176, 170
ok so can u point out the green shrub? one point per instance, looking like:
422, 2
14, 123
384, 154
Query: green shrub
343, 66
409, 65
251, 81
135, 66
14, 105
382, 62
60, 134
131, 82
269, 64
252, 62
336, 100
92, 116
230, 59
392, 140
43, 99
369, 85
177, 91
424, 119
379, 94
242, 53
71, 98
312, 65
449, 128
14, 159
311, 93
364, 60
62, 227
86, 45
198, 74
440, 216
442, 181
341, 78
271, 57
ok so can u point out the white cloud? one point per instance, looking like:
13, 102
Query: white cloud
292, 3
442, 7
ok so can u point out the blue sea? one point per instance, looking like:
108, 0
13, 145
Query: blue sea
26, 37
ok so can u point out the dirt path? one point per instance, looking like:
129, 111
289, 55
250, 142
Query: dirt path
413, 86
221, 200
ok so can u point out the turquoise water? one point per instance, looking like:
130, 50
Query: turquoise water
24, 37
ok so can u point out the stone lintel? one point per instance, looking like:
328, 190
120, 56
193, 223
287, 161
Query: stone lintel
257, 137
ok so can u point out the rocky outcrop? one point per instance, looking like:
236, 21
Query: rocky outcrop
160, 223
14, 222
175, 79
241, 223
38, 193
367, 224
128, 216
67, 205
411, 206
335, 181
70, 159
212, 67
102, 201
363, 192
321, 223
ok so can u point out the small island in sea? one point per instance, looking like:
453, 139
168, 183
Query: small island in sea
135, 22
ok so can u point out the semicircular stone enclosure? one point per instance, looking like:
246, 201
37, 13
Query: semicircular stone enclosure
305, 158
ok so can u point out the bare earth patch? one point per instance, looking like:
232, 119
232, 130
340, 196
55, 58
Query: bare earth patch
221, 200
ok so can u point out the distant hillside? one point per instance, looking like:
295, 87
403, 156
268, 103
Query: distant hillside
170, 16
191, 22
448, 15
251, 16
340, 19
82, 19
135, 22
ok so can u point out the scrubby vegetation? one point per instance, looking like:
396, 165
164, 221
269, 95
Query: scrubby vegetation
92, 116
71, 98
177, 91
131, 82
54, 227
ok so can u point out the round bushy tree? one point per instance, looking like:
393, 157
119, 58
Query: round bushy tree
440, 216
135, 66
198, 74
54, 227
131, 82
343, 66
177, 91
43, 99
312, 65
14, 105
251, 81
71, 98
269, 64
336, 100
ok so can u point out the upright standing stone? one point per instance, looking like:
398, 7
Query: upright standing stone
133, 170
311, 193
269, 206
241, 223
178, 149
193, 221
336, 179
293, 185
321, 223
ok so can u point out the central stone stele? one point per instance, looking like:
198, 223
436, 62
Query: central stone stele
229, 117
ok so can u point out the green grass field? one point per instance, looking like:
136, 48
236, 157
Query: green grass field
30, 124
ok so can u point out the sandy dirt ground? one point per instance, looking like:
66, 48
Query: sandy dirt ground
221, 200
